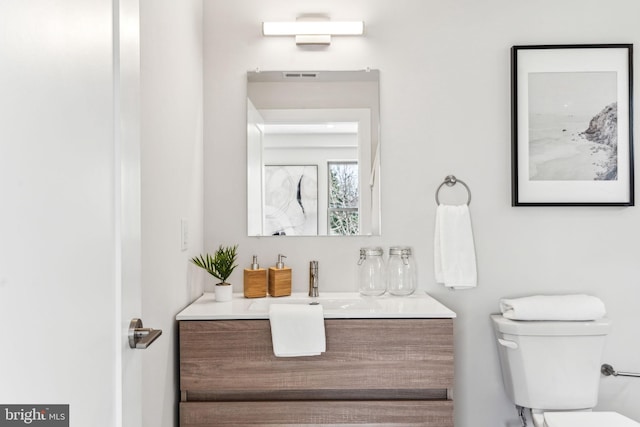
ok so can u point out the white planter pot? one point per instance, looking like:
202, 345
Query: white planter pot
223, 292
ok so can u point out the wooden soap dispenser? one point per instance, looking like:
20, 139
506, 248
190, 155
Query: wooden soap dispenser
280, 279
255, 280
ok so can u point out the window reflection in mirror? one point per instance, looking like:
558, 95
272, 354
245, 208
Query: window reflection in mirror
343, 199
313, 163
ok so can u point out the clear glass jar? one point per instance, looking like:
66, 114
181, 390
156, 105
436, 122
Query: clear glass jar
371, 272
402, 278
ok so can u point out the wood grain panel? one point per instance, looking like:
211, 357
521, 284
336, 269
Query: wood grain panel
255, 283
372, 413
279, 281
398, 354
290, 395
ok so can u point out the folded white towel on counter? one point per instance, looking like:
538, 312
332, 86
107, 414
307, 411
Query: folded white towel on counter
297, 330
454, 250
553, 307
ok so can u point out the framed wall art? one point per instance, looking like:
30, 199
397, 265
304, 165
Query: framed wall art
572, 125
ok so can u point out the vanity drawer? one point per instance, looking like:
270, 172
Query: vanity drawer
385, 355
317, 413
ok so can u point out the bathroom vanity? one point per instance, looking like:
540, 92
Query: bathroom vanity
388, 361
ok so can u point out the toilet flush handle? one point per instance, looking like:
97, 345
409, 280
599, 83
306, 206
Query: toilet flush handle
608, 370
509, 344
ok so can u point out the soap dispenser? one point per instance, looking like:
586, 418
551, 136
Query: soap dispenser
280, 279
255, 280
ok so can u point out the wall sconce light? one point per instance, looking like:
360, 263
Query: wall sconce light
313, 32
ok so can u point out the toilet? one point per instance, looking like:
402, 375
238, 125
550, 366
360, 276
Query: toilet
553, 368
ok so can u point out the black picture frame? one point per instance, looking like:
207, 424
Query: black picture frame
572, 125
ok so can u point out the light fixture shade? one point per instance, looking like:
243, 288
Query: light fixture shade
313, 28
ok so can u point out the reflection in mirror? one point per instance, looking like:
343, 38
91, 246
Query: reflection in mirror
313, 153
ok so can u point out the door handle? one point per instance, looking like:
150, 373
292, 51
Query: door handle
140, 337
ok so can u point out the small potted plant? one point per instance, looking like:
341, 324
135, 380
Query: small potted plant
220, 266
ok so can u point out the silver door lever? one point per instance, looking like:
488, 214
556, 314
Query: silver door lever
140, 337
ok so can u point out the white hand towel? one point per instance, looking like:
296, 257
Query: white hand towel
454, 251
553, 307
297, 330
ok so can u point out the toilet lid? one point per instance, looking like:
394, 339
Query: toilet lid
587, 419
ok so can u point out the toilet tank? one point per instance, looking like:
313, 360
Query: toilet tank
551, 365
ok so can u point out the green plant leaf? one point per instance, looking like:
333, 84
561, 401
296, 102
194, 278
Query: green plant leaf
221, 264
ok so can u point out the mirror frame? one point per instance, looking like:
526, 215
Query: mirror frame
290, 97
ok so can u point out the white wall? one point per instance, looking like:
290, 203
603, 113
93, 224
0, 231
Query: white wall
172, 188
60, 225
57, 244
445, 109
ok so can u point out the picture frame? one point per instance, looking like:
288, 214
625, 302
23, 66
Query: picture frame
572, 125
290, 200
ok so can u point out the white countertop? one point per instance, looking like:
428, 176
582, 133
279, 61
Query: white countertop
336, 305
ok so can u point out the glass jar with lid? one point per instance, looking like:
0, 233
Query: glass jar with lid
402, 278
371, 272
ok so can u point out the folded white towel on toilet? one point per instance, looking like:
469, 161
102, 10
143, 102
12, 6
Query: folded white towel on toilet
454, 250
553, 307
297, 330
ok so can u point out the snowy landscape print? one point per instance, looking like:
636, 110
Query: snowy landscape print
573, 133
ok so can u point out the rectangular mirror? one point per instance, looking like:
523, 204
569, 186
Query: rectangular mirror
313, 153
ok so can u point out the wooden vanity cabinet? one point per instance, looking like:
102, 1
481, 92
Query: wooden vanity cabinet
391, 372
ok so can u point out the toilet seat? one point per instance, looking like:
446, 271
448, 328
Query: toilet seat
587, 419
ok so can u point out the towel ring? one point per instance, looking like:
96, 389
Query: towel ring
451, 180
